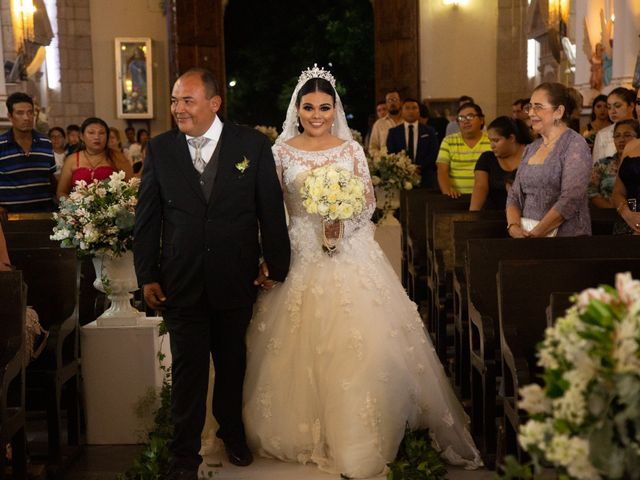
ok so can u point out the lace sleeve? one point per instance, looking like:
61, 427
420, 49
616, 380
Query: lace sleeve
361, 170
277, 153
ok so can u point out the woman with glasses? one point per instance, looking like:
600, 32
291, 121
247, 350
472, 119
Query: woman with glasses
495, 170
626, 190
549, 194
620, 103
605, 170
460, 151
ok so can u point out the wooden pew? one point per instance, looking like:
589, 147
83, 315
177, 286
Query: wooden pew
13, 299
461, 232
602, 220
481, 266
524, 287
440, 252
413, 205
409, 200
52, 276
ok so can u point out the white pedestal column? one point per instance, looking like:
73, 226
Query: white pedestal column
388, 237
119, 368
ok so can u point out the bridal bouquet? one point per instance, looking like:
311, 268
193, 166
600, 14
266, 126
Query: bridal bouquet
393, 171
334, 194
97, 218
585, 420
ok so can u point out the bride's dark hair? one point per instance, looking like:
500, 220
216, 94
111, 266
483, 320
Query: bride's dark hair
316, 85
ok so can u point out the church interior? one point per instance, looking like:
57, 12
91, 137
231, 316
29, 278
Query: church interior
84, 409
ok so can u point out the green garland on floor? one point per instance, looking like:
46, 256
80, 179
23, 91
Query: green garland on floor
152, 462
417, 459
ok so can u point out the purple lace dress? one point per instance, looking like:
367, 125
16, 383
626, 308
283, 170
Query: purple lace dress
560, 183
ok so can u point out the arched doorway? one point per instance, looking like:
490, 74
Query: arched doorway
196, 38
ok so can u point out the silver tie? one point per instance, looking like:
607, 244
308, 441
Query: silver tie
198, 143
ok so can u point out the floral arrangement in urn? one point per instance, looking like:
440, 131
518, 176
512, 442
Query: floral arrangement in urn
97, 218
585, 420
270, 132
390, 173
393, 171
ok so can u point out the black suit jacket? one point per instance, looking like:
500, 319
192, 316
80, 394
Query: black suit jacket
190, 246
426, 151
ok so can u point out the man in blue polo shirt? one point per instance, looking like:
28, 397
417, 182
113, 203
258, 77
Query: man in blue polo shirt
27, 164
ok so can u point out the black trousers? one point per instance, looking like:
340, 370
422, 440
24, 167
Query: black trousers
195, 333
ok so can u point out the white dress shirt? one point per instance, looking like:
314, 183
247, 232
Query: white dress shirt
213, 134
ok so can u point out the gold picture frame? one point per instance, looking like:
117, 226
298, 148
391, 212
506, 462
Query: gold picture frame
134, 77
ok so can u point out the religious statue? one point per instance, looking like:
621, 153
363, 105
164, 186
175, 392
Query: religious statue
600, 55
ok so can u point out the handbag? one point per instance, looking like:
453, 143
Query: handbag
528, 224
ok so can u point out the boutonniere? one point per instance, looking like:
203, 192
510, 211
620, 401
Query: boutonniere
243, 165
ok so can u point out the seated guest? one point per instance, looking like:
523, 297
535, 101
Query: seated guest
599, 119
459, 152
35, 334
137, 151
549, 194
517, 110
496, 170
115, 143
418, 140
57, 137
605, 170
620, 103
95, 161
27, 165
74, 143
626, 191
130, 133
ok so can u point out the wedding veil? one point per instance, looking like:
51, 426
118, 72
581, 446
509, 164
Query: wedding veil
340, 127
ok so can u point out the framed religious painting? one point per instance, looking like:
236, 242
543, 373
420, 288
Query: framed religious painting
134, 78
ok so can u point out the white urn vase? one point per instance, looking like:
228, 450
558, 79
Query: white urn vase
387, 200
116, 277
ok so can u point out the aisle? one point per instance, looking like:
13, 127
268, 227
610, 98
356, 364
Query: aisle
267, 469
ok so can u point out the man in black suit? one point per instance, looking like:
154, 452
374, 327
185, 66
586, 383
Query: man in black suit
418, 140
210, 205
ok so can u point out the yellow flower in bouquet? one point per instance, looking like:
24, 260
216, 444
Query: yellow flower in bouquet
333, 193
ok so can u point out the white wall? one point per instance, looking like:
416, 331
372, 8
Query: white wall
128, 18
458, 51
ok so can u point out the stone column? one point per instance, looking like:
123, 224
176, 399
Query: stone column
626, 43
74, 102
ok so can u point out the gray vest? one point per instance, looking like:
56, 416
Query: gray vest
208, 176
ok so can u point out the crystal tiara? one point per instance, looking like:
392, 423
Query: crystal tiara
316, 72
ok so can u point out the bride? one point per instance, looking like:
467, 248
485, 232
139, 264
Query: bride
338, 362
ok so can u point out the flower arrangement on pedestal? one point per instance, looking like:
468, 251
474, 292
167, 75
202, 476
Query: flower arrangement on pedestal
97, 220
270, 132
390, 173
585, 420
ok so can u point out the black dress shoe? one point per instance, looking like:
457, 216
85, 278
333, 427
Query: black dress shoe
238, 453
182, 475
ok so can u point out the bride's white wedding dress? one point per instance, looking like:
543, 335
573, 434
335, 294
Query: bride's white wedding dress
338, 359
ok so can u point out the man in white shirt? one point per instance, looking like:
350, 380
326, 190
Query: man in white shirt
381, 127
